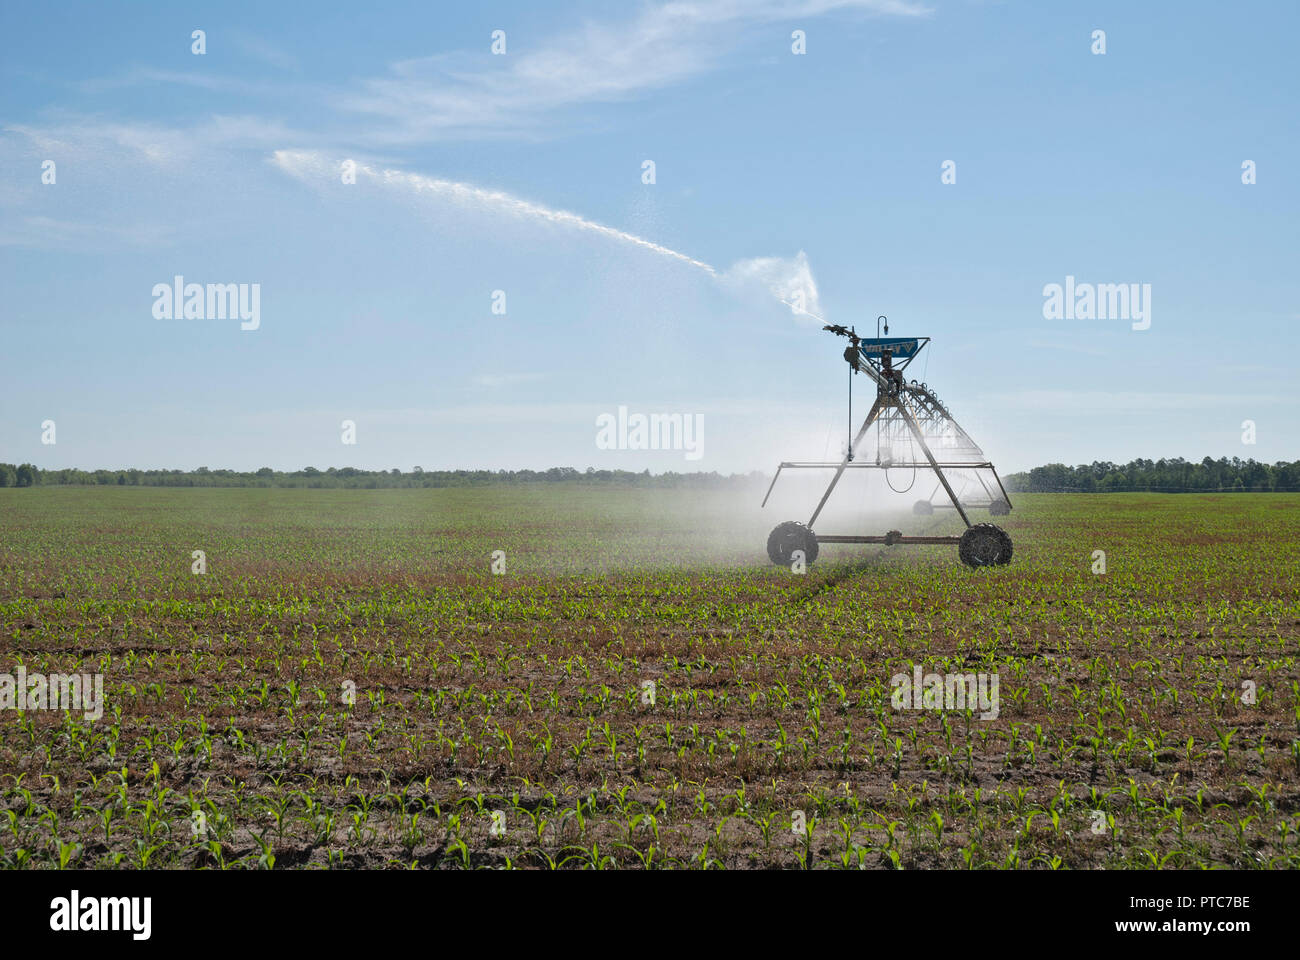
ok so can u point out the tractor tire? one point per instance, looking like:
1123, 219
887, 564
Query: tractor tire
789, 537
999, 508
985, 545
923, 508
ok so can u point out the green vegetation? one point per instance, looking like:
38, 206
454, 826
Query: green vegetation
1172, 476
351, 478
348, 684
1165, 476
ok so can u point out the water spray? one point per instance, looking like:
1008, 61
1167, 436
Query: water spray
768, 271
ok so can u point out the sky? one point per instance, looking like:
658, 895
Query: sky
500, 271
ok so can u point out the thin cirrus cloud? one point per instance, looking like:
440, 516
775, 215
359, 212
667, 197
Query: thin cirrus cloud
453, 95
51, 233
91, 139
416, 101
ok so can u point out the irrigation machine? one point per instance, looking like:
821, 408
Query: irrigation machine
914, 431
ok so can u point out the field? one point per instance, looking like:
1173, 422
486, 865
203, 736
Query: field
348, 684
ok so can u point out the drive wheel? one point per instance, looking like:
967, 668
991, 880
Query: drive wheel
923, 508
789, 537
985, 545
999, 508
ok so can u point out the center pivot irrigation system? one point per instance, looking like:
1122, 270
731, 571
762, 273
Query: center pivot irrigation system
908, 417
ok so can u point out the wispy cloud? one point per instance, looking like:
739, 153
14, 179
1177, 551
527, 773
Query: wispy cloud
126, 166
666, 44
449, 95
95, 139
416, 101
52, 233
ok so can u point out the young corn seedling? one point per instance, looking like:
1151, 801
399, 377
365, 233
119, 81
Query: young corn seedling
1225, 743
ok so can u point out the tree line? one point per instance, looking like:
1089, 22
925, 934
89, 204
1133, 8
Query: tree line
1169, 476
1172, 476
27, 475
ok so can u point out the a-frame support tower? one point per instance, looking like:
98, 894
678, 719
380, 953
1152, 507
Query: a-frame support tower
910, 410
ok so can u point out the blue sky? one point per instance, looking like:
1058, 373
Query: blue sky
376, 297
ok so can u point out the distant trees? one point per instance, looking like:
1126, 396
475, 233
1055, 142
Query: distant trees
1171, 476
354, 478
